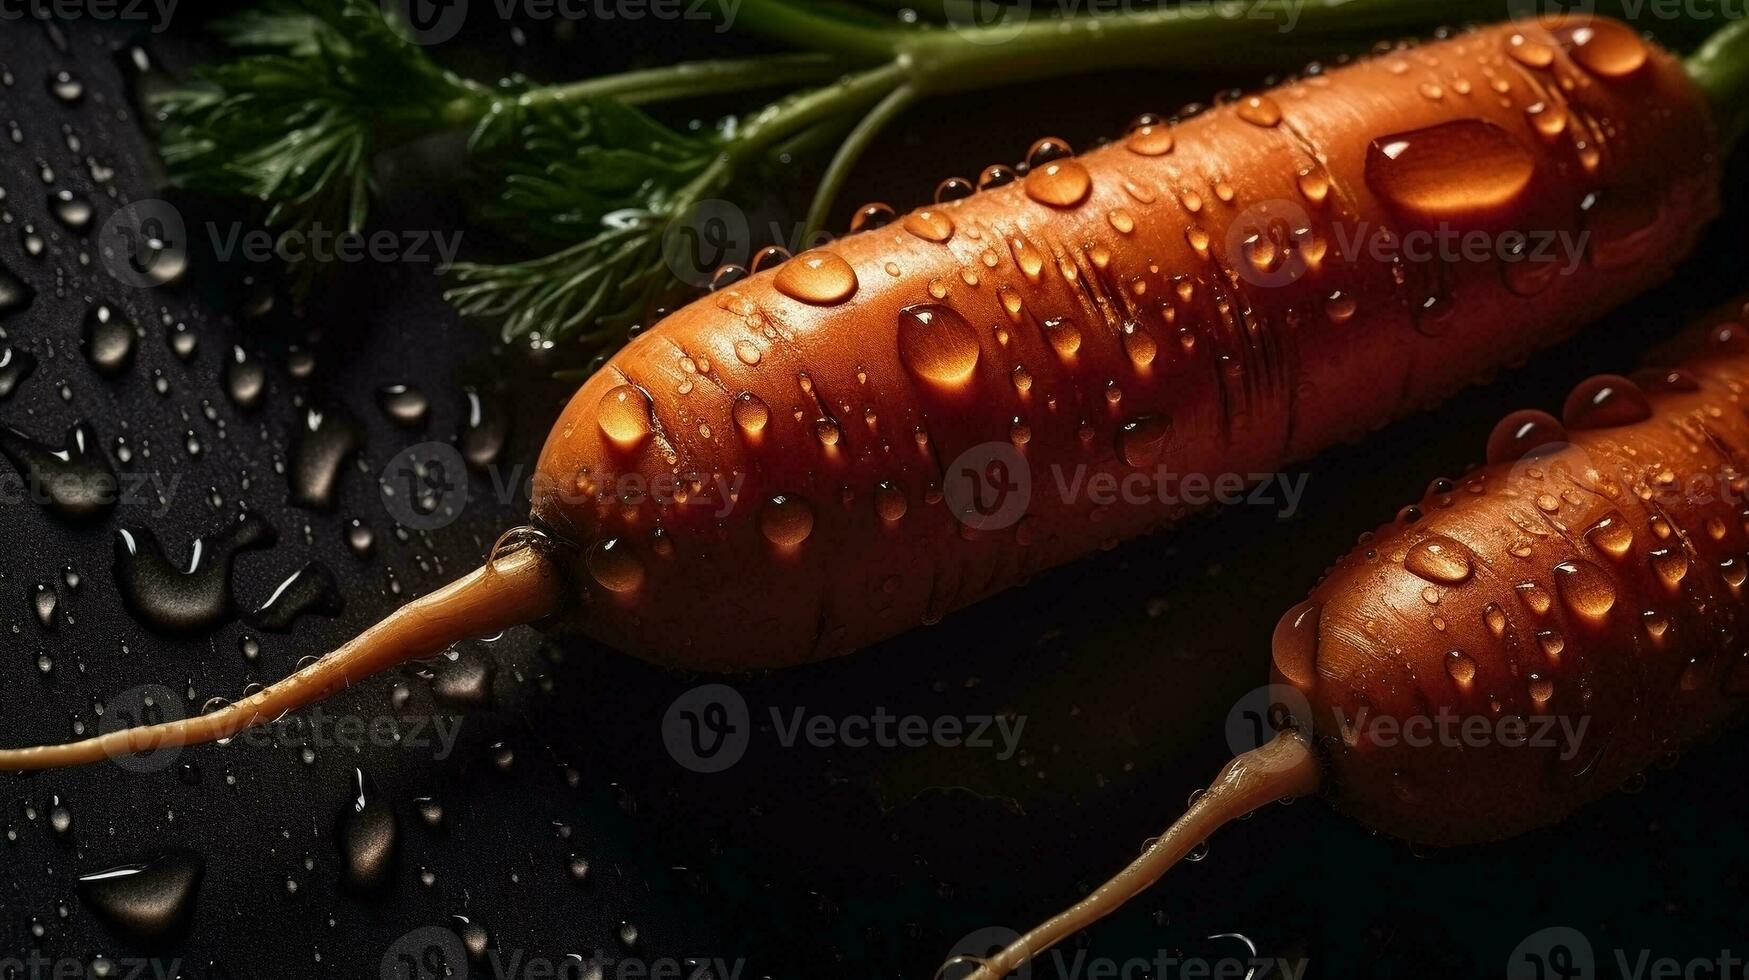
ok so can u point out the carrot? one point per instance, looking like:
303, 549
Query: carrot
1521, 641
819, 457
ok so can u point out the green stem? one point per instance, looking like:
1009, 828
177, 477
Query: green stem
1721, 69
790, 23
696, 78
851, 150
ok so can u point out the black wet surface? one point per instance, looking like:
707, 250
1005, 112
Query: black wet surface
531, 791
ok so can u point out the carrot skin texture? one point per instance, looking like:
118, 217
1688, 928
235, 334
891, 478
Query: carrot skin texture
1250, 369
1606, 590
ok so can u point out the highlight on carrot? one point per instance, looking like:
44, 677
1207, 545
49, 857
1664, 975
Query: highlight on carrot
789, 453
1567, 608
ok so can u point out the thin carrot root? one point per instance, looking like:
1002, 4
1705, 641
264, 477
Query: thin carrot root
510, 590
1285, 767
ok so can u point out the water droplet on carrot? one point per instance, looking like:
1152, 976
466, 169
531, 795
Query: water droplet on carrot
996, 175
613, 566
954, 189
1141, 441
890, 502
1522, 434
1529, 52
1535, 597
1585, 588
770, 257
1064, 335
786, 520
1060, 184
818, 277
1294, 646
872, 216
1670, 564
1151, 140
1259, 110
931, 226
1461, 666
1122, 220
750, 413
1541, 689
1550, 121
1607, 48
1495, 618
1139, 345
1605, 401
747, 352
624, 415
1022, 378
1611, 535
1439, 559
1314, 186
937, 344
1450, 170
1339, 307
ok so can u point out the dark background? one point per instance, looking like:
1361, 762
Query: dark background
802, 863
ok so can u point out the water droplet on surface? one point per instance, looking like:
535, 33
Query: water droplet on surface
931, 226
1259, 110
108, 340
818, 277
613, 566
747, 352
937, 344
16, 295
323, 444
1606, 48
15, 367
1451, 170
485, 427
1439, 559
1064, 335
72, 211
1151, 140
184, 601
1585, 588
1294, 645
954, 189
890, 502
1060, 184
1671, 565
312, 589
1141, 441
786, 520
624, 415
245, 379
872, 216
1524, 433
1605, 401
405, 405
149, 902
1611, 535
1461, 666
751, 413
74, 479
1529, 52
